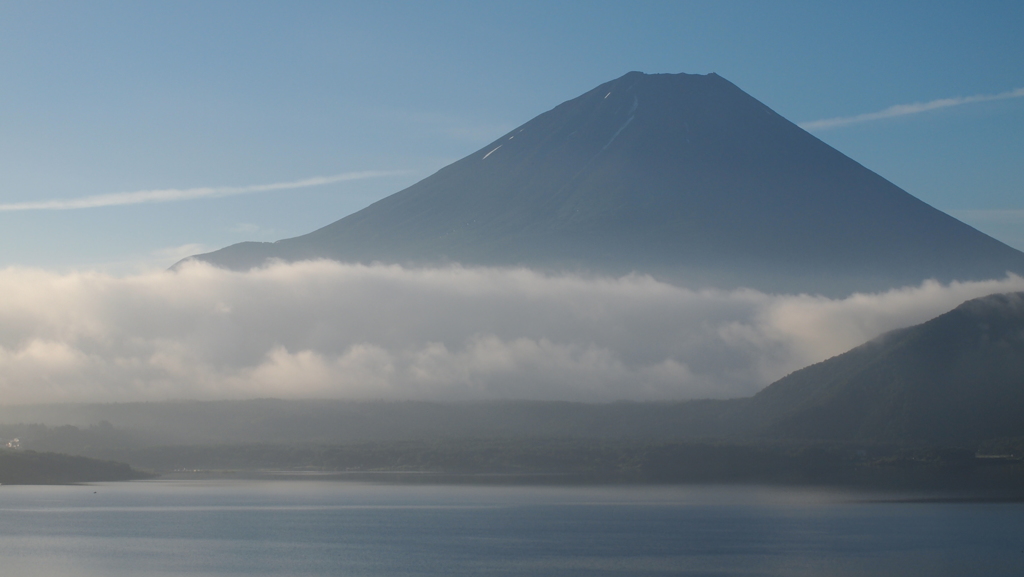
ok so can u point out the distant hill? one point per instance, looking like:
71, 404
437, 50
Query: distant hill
685, 177
957, 379
81, 428
32, 468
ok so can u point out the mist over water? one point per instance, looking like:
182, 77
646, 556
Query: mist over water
327, 330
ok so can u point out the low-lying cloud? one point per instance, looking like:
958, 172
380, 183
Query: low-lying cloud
329, 330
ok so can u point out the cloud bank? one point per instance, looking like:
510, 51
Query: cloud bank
905, 109
176, 194
329, 330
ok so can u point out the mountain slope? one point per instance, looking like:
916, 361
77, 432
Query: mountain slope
957, 379
685, 177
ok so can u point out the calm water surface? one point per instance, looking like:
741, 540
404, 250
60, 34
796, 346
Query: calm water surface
157, 528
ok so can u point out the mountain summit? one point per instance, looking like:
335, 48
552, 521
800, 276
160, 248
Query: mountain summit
685, 177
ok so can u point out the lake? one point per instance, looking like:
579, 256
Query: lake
230, 527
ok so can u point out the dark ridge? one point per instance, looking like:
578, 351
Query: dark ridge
957, 379
32, 468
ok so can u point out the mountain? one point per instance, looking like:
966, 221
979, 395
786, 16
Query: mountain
685, 177
957, 379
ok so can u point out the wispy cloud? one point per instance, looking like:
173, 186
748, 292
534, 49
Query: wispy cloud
176, 194
176, 253
1008, 215
905, 109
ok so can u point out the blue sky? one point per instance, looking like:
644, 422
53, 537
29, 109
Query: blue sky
211, 104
